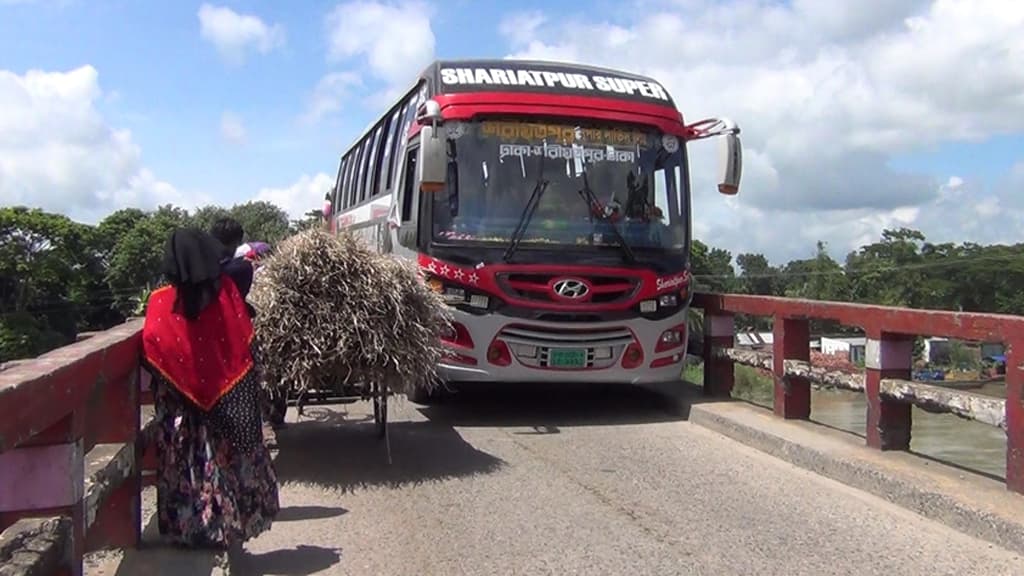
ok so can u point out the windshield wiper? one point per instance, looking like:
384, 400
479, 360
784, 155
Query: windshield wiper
592, 202
524, 220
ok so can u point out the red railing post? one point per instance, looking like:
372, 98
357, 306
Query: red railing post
1015, 416
118, 520
791, 340
888, 421
719, 332
45, 476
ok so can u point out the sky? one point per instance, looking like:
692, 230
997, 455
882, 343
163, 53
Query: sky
856, 116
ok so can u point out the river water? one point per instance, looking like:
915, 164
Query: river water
945, 437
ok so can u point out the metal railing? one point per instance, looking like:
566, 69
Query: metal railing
890, 392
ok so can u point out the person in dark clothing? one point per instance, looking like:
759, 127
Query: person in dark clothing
230, 233
216, 482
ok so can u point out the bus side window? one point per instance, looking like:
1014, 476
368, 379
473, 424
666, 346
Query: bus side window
378, 161
409, 186
351, 198
364, 164
391, 149
339, 187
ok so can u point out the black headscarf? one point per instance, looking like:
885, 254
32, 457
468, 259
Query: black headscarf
192, 264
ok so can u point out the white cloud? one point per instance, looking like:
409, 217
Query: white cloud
232, 128
330, 93
236, 34
826, 94
396, 39
307, 193
58, 153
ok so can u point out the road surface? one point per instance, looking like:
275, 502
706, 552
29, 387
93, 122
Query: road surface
565, 482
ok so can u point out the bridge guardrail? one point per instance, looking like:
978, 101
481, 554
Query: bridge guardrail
886, 382
70, 455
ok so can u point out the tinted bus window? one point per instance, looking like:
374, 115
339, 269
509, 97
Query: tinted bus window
388, 175
408, 187
352, 196
339, 186
371, 162
375, 174
364, 156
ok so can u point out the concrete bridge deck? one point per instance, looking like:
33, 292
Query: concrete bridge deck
542, 481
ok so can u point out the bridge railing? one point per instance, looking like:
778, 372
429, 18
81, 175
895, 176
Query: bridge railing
886, 381
70, 459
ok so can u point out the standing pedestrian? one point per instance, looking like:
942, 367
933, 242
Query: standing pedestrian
216, 484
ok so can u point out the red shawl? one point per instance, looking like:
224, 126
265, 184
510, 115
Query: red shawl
203, 358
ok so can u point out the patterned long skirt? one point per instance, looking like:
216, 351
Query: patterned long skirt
209, 494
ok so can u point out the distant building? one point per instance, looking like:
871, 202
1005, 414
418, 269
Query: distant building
851, 347
990, 349
764, 340
754, 340
936, 350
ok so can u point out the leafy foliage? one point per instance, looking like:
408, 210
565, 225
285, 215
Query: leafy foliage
59, 277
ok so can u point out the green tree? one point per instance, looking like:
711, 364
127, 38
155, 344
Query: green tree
134, 266
890, 271
712, 268
757, 276
817, 278
204, 217
311, 219
262, 221
44, 261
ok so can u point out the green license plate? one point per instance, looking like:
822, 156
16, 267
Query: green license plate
567, 358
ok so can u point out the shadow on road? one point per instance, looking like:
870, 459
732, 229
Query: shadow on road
157, 558
341, 454
299, 561
548, 407
300, 513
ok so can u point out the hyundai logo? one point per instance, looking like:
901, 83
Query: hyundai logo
571, 288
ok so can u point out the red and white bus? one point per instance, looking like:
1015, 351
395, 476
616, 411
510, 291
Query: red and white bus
549, 204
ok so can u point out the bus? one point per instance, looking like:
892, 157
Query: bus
549, 205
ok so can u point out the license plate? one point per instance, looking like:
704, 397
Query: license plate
567, 358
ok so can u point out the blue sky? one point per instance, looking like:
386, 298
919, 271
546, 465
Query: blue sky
848, 126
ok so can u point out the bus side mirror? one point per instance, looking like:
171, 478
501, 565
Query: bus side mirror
432, 163
730, 164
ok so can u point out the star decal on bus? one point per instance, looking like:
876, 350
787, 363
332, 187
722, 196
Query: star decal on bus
444, 270
473, 278
459, 274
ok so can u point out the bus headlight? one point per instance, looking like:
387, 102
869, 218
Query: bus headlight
671, 338
668, 300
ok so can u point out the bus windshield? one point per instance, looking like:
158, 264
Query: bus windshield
596, 175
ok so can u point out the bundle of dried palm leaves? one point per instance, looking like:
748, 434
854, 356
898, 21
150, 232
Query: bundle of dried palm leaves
331, 312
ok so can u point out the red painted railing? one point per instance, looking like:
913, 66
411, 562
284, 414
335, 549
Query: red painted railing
59, 410
887, 384
69, 429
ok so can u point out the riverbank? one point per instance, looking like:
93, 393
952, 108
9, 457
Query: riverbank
972, 445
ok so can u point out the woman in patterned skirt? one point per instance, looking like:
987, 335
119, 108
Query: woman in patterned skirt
216, 483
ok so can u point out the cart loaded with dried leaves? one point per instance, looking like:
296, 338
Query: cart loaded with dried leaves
337, 322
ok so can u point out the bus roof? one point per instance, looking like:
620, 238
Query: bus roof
544, 77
